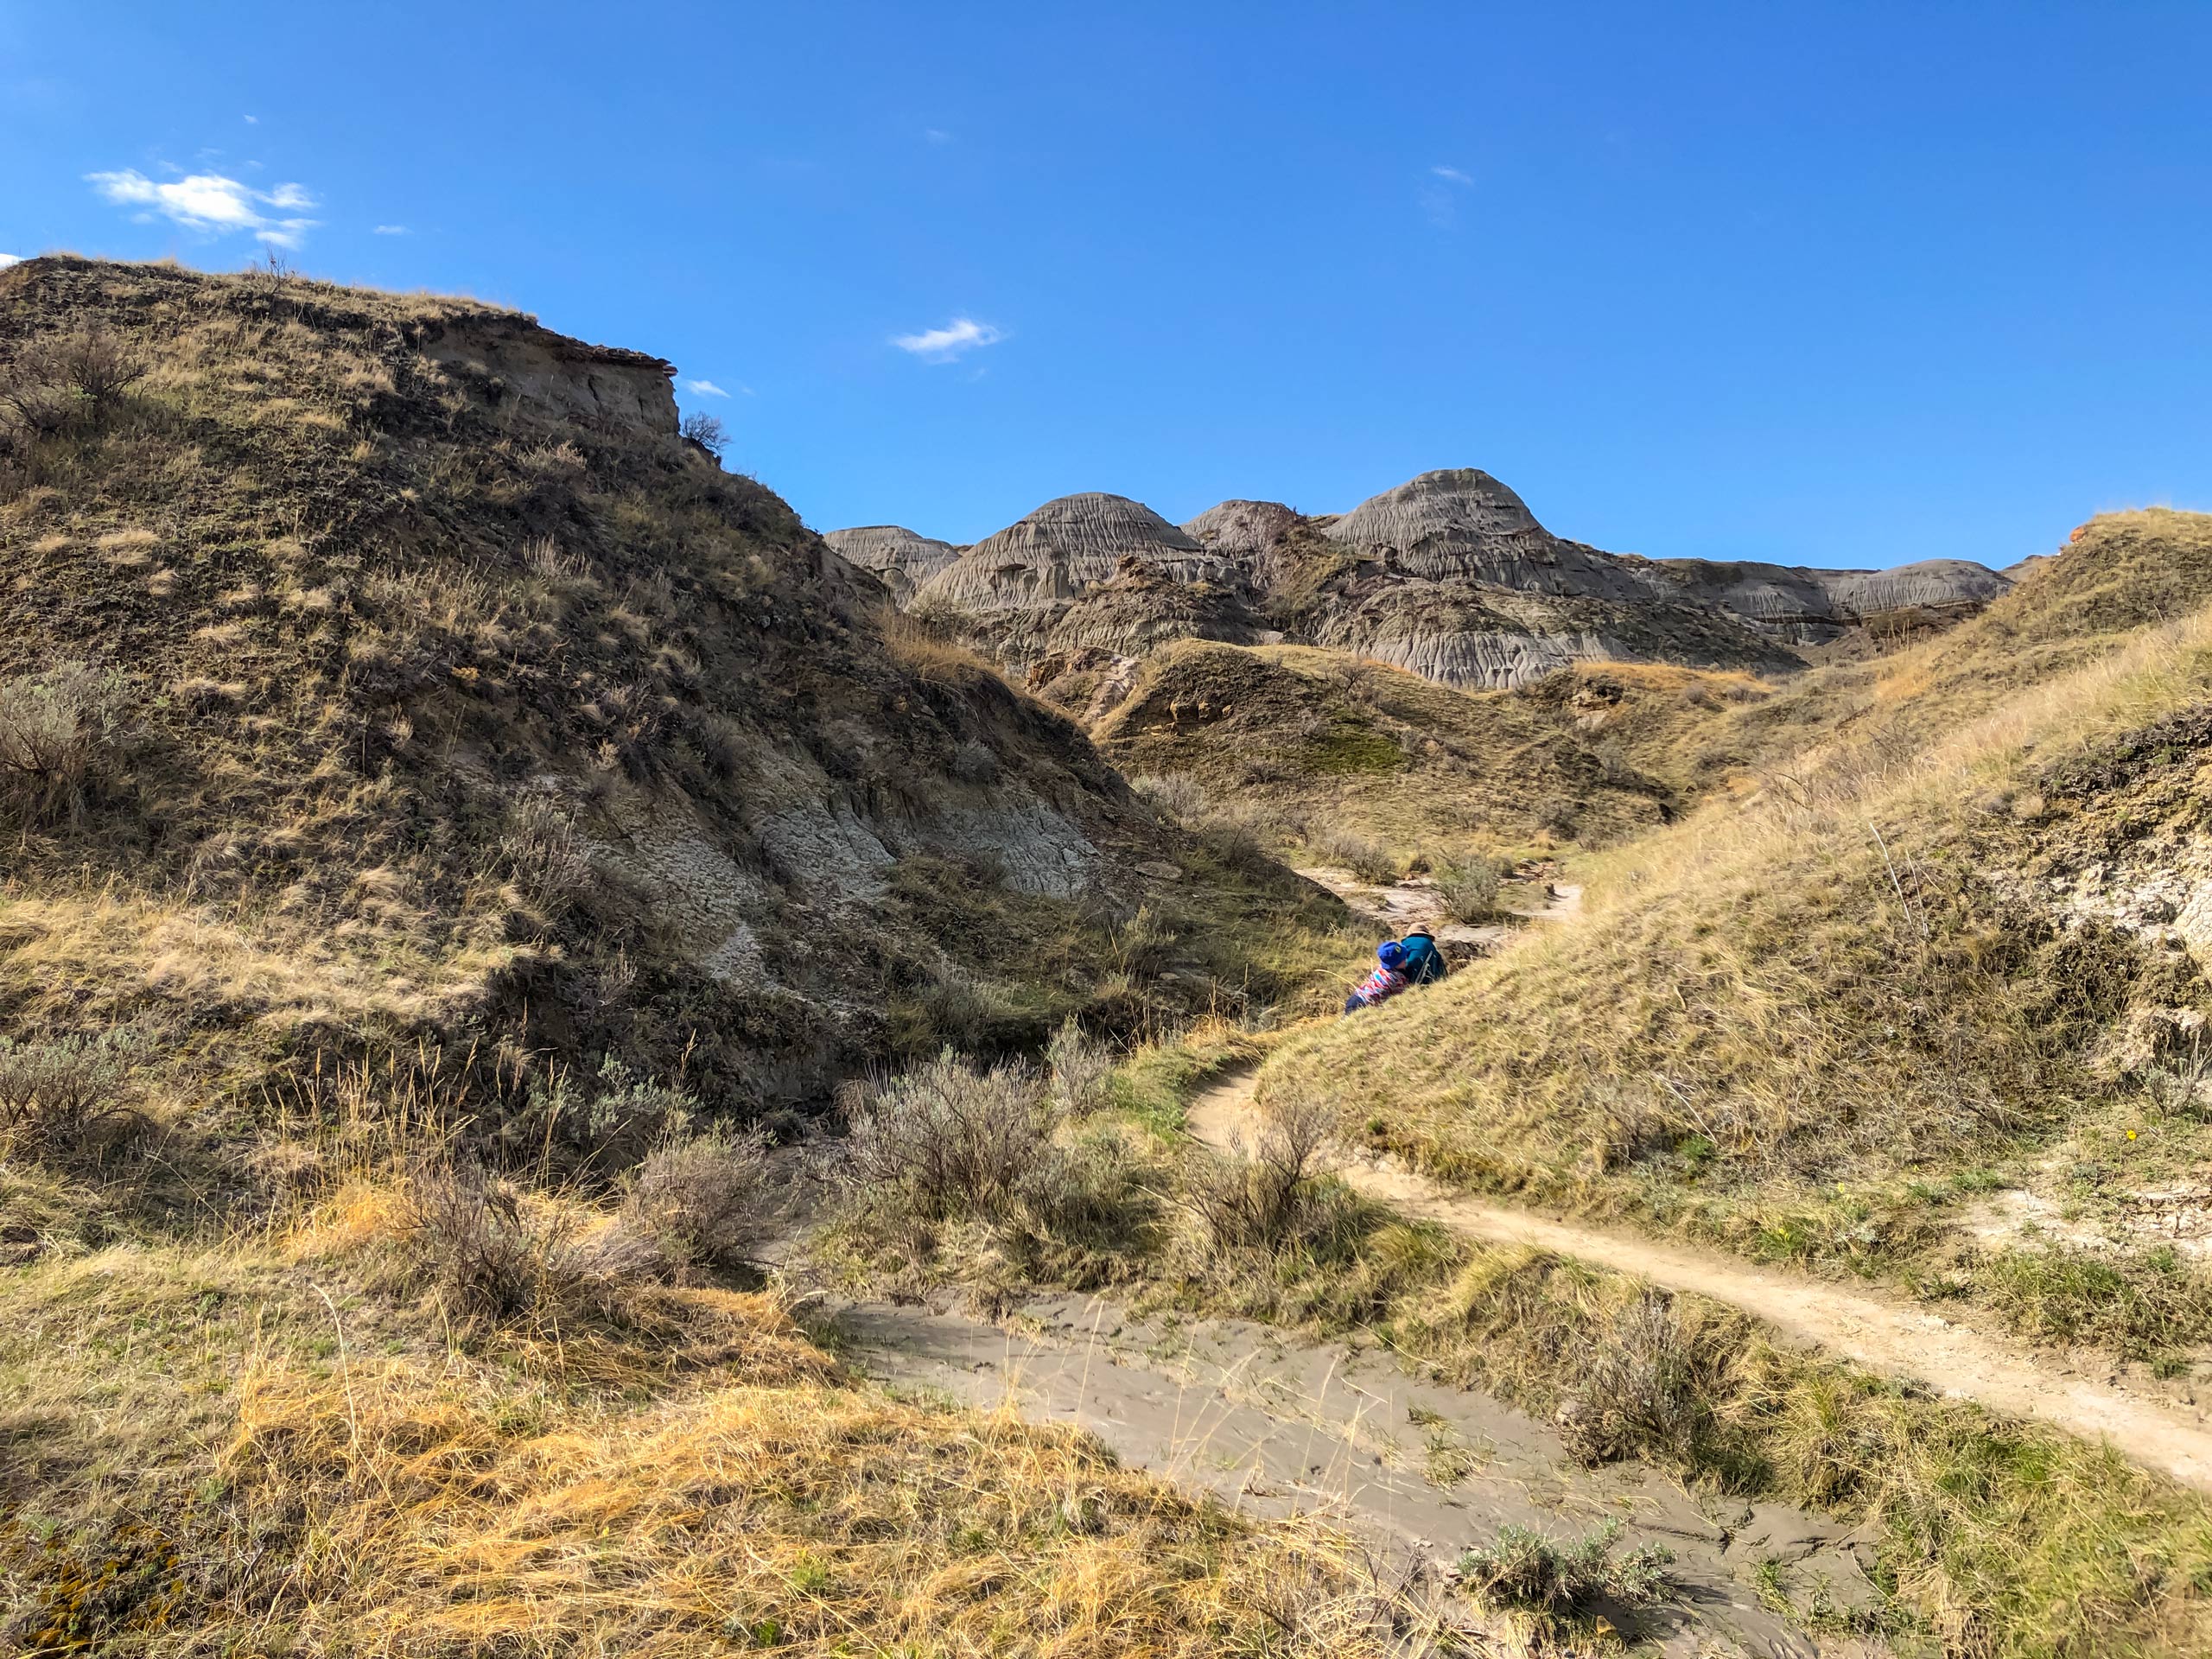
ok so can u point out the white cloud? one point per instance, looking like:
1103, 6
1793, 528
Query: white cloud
8, 260
937, 135
391, 229
211, 203
1452, 173
253, 120
943, 345
705, 388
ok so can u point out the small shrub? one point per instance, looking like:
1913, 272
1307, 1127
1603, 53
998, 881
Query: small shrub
1639, 1392
946, 1141
54, 1095
1259, 1197
1524, 1569
1080, 1068
58, 734
612, 1126
470, 1241
1176, 795
698, 1199
545, 855
1341, 849
1468, 891
1557, 818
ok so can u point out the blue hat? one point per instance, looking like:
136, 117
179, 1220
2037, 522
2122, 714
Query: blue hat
1390, 953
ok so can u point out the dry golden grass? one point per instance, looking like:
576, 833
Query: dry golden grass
270, 1445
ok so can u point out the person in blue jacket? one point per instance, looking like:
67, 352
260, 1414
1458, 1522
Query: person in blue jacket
1421, 963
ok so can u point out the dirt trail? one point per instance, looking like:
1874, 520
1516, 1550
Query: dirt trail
1416, 900
1886, 1334
1277, 1426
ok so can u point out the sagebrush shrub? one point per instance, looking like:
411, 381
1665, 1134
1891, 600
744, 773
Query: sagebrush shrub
1523, 1568
1468, 891
1259, 1196
947, 1141
699, 1199
469, 1239
1079, 1067
1640, 1392
58, 731
1177, 795
52, 1095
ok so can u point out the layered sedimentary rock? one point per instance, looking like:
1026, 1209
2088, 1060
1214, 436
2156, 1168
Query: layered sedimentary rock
900, 558
1449, 575
1061, 552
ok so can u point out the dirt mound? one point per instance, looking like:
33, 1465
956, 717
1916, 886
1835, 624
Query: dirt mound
431, 689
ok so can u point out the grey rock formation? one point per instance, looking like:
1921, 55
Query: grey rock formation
1807, 604
900, 558
1463, 523
1241, 530
1449, 575
1061, 550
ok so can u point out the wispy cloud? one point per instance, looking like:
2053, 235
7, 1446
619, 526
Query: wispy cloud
937, 135
1440, 203
391, 229
253, 120
943, 345
705, 388
214, 205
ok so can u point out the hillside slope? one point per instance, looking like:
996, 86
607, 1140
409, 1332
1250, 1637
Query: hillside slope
420, 686
1915, 970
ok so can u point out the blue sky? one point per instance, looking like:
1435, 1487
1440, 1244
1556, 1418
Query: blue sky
1827, 284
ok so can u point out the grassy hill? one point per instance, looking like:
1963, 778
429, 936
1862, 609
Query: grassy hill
408, 681
441, 806
1959, 947
1299, 735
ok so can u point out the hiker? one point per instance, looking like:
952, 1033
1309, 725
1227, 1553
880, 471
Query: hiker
1424, 964
1386, 981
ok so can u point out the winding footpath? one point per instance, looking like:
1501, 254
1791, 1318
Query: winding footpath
1884, 1333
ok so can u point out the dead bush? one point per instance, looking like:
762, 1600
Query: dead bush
1640, 1392
51, 386
59, 734
545, 855
699, 1199
1260, 1196
1468, 890
54, 1096
1080, 1068
946, 1141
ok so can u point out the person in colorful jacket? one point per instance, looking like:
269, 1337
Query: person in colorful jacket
1386, 981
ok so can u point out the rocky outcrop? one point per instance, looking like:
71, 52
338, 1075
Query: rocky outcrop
1464, 524
1807, 606
1449, 575
1062, 550
601, 386
899, 558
